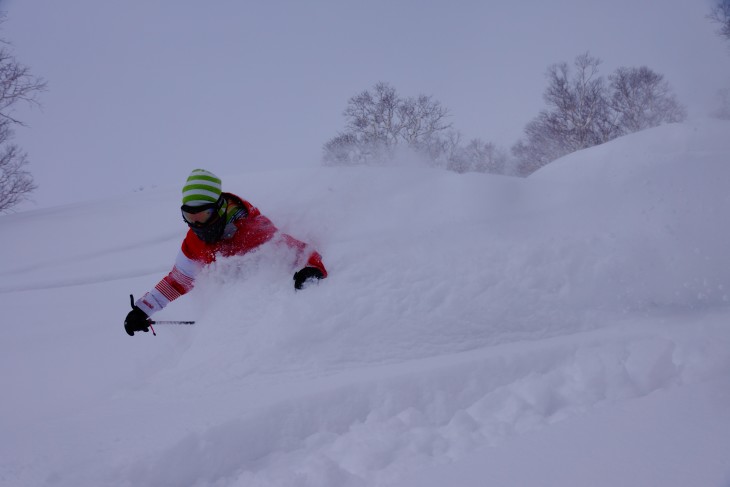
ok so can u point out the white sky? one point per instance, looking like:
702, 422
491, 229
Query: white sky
141, 92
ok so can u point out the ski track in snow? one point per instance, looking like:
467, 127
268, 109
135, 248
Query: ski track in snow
97, 278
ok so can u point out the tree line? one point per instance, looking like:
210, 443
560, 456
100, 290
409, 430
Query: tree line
583, 109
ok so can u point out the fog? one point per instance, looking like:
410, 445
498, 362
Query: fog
139, 91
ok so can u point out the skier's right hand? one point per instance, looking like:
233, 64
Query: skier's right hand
306, 274
137, 320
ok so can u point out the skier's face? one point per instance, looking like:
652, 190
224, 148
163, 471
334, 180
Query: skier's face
202, 215
199, 218
206, 221
212, 232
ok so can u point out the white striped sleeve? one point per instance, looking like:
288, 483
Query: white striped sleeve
179, 281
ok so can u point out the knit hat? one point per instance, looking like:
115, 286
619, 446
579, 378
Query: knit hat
201, 188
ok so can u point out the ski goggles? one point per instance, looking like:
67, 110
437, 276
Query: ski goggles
203, 215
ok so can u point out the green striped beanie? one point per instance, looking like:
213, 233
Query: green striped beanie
202, 187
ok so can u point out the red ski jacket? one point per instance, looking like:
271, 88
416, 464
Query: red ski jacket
247, 230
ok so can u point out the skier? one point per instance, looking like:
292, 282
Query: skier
221, 224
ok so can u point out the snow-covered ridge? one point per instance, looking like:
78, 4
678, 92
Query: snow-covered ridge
462, 312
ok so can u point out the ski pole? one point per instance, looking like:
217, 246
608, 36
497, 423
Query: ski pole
162, 322
172, 322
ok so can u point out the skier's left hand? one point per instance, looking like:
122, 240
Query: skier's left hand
307, 273
137, 320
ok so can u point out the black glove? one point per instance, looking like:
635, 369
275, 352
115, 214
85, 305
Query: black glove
137, 320
305, 274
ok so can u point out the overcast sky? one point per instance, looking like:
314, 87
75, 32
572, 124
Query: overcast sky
141, 92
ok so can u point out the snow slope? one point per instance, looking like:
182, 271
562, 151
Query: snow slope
565, 329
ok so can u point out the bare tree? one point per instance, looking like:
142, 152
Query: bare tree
720, 13
16, 85
379, 121
642, 99
372, 116
578, 115
448, 152
584, 111
542, 144
579, 112
421, 118
478, 156
15, 182
343, 150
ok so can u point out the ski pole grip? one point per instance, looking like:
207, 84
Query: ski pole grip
131, 300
